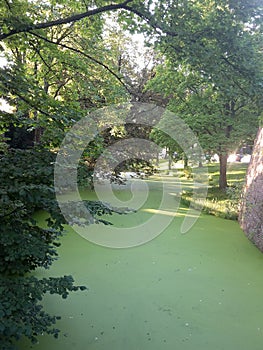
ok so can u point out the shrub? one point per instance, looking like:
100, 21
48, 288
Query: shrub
26, 185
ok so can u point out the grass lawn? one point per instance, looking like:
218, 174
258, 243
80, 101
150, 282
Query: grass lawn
196, 291
223, 204
235, 173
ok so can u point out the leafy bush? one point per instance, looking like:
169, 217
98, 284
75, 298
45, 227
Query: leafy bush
22, 314
26, 185
234, 193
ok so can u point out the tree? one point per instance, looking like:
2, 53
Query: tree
27, 186
165, 141
212, 72
49, 86
63, 70
221, 126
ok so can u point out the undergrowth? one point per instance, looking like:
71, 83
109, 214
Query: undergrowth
224, 204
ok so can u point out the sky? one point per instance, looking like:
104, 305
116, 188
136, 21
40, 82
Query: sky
3, 61
4, 106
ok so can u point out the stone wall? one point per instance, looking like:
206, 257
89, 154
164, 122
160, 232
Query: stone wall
251, 214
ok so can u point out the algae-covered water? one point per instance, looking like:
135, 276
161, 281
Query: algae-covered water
197, 291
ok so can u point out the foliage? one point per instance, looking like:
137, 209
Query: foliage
21, 311
26, 185
212, 71
165, 141
53, 77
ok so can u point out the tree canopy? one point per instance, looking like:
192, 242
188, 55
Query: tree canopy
212, 73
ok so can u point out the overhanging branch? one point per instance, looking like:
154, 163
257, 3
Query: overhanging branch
141, 13
69, 19
85, 55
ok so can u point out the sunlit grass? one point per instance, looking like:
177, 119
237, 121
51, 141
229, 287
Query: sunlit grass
220, 203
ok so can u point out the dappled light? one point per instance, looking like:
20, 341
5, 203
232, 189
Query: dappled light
169, 213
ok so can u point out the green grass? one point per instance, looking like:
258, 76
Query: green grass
235, 173
223, 204
196, 291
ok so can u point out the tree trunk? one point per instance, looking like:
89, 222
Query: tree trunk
170, 161
38, 132
251, 211
185, 161
157, 158
223, 167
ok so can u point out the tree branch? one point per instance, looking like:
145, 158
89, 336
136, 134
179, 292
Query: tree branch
147, 17
37, 50
70, 19
11, 212
60, 87
8, 5
85, 55
32, 104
